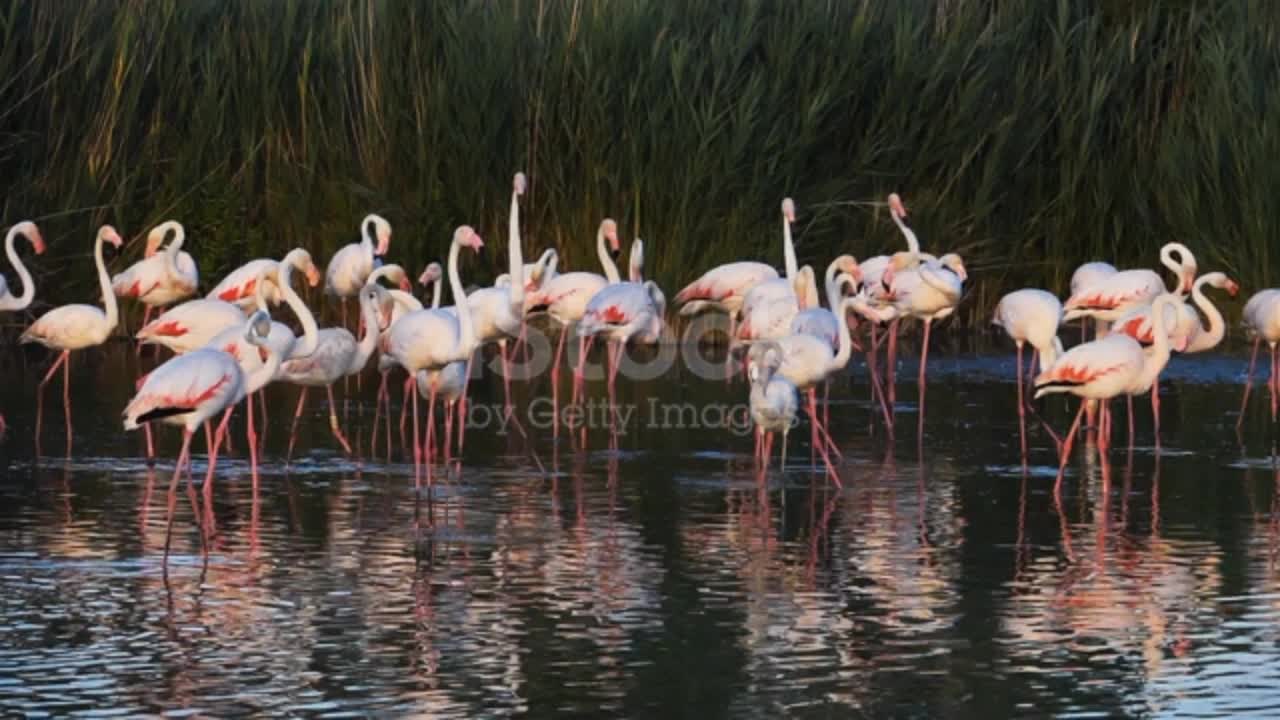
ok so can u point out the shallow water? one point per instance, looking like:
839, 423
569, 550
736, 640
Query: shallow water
656, 578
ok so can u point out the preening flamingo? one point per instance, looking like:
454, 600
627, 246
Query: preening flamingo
194, 323
624, 312
163, 277
29, 231
349, 268
774, 400
337, 355
8, 302
498, 312
1030, 316
238, 287
565, 297
189, 390
280, 338
75, 327
1262, 320
431, 339
1101, 370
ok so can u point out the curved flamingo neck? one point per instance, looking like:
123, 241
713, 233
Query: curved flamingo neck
28, 288
465, 341
104, 281
1217, 327
310, 331
606, 260
788, 248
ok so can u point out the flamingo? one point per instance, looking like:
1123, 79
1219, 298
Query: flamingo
807, 361
1101, 370
194, 323
189, 390
431, 339
1030, 316
774, 400
280, 338
624, 312
1087, 275
498, 312
929, 291
162, 277
8, 302
337, 355
1262, 320
75, 327
349, 268
565, 297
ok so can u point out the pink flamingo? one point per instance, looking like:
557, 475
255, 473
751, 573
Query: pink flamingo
498, 311
565, 298
162, 277
194, 323
431, 339
1262, 321
9, 303
349, 269
188, 391
624, 312
1101, 370
1030, 316
75, 327
774, 400
337, 355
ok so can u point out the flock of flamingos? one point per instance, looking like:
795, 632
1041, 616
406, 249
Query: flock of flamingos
227, 347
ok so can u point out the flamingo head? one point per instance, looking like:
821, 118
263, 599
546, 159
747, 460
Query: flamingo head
609, 228
952, 262
431, 273
789, 210
378, 231
109, 234
466, 236
896, 207
519, 183
29, 230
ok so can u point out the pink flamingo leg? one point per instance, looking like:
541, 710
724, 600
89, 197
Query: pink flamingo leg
183, 457
62, 359
1066, 447
922, 380
333, 422
1022, 408
293, 432
1248, 382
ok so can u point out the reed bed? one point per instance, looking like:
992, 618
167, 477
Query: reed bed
1030, 135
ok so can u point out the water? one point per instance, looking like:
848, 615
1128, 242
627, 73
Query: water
656, 579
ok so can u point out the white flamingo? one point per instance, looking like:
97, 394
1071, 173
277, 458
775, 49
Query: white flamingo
189, 390
774, 401
75, 327
163, 277
565, 297
431, 339
337, 354
1030, 316
349, 269
9, 303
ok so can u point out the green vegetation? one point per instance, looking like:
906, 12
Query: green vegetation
1030, 135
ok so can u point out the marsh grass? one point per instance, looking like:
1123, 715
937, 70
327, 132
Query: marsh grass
1030, 135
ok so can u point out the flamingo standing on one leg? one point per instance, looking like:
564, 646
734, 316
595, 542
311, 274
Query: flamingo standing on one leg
1030, 316
75, 327
337, 355
431, 339
1101, 370
1262, 321
188, 391
565, 299
162, 277
774, 400
9, 303
349, 269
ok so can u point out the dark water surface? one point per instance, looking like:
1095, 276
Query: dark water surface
656, 579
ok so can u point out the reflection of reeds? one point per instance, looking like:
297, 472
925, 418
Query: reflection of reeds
1029, 140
